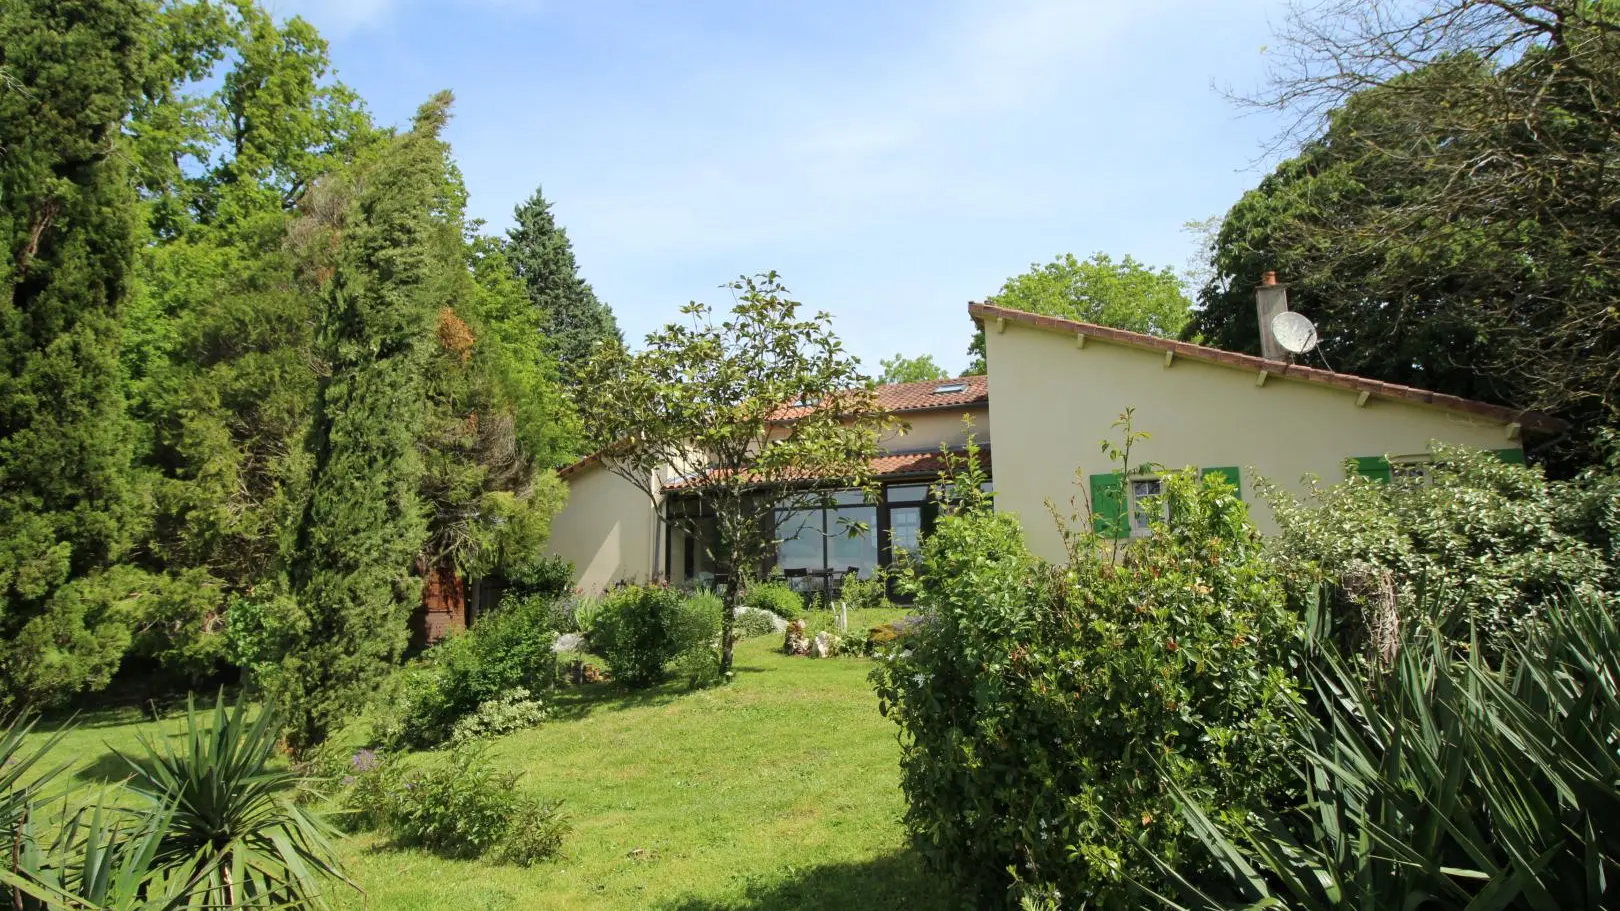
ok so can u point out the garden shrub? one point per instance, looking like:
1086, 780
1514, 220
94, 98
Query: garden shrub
513, 710
1495, 535
751, 624
506, 649
777, 597
460, 807
697, 638
549, 577
642, 629
865, 594
1047, 712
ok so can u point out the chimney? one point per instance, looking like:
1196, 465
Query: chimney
1270, 299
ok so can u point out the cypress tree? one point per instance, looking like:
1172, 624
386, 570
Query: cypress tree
398, 252
69, 74
571, 316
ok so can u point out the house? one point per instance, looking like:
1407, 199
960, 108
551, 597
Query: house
1053, 393
612, 531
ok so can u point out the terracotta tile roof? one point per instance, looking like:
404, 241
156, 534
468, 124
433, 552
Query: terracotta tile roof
1279, 369
889, 465
895, 398
899, 398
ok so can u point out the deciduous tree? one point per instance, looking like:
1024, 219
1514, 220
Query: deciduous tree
902, 369
759, 413
1453, 217
1124, 295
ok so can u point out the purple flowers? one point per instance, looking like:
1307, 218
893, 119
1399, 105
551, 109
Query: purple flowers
364, 760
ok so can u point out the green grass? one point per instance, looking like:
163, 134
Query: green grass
777, 792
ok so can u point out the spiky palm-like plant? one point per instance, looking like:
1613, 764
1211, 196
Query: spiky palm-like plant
1446, 782
226, 813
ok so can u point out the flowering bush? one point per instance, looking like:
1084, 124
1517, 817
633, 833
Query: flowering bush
1046, 711
511, 711
1499, 539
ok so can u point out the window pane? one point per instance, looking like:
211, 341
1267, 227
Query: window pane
801, 540
861, 551
1141, 490
906, 493
847, 497
905, 529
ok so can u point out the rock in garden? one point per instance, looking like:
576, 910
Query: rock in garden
581, 672
794, 643
822, 647
568, 642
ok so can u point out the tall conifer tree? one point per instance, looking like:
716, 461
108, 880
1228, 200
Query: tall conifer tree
571, 316
68, 506
399, 250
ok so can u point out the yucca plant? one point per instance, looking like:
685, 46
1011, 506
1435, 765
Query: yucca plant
226, 813
1444, 781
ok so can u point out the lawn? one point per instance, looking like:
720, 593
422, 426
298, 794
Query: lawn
779, 791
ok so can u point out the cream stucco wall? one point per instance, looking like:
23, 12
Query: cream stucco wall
1053, 403
608, 529
928, 430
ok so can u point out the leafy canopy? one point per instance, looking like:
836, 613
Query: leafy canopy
902, 369
1123, 295
754, 412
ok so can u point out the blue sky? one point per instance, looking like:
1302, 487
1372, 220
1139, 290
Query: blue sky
893, 160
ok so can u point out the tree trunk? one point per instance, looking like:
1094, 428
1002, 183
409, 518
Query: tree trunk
728, 623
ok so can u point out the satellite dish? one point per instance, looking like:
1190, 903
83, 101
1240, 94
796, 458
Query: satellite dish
1293, 331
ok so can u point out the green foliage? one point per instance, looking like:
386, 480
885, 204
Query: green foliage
902, 369
69, 498
1443, 781
550, 577
571, 318
697, 636
777, 597
720, 386
1417, 225
364, 521
507, 650
460, 806
866, 594
513, 710
638, 633
752, 624
225, 810
218, 827
1494, 534
1047, 711
1122, 295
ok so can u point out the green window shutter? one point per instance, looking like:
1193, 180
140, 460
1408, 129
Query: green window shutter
1108, 510
1232, 476
1375, 467
1511, 456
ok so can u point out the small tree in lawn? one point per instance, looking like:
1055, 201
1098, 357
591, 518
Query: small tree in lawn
760, 413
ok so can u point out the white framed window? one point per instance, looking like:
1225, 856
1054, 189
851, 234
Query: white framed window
1410, 470
1147, 503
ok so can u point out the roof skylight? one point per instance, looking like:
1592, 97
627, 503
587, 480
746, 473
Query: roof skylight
948, 388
